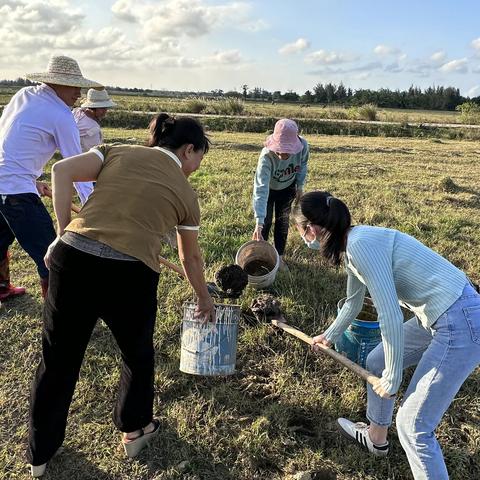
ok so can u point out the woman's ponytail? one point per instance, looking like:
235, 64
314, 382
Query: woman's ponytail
331, 215
172, 133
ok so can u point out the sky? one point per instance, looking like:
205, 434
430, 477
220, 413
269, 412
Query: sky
203, 45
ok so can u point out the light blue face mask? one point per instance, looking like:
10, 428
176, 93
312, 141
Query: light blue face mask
313, 244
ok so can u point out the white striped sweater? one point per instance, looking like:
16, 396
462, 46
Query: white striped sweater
395, 267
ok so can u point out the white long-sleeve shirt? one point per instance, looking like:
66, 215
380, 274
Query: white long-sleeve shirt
395, 267
34, 124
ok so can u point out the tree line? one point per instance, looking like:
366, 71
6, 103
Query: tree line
431, 98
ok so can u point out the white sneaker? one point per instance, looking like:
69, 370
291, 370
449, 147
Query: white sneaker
358, 432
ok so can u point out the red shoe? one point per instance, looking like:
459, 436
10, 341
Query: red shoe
11, 291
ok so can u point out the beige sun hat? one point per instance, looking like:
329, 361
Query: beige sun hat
63, 70
98, 99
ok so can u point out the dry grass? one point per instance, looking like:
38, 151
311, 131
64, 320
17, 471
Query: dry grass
276, 416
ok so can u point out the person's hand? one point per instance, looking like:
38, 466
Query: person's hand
380, 391
319, 340
298, 194
44, 189
257, 233
48, 255
205, 310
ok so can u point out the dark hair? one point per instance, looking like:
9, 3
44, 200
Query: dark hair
329, 213
172, 133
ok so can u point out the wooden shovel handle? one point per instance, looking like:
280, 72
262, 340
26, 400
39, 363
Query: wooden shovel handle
171, 266
357, 369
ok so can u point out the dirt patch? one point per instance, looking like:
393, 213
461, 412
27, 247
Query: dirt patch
265, 308
257, 268
232, 279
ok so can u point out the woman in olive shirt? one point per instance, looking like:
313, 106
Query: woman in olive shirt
104, 264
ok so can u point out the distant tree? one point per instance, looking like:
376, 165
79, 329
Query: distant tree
256, 93
307, 97
319, 93
330, 90
245, 91
290, 96
277, 95
341, 93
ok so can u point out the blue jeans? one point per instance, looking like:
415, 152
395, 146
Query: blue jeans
445, 356
23, 216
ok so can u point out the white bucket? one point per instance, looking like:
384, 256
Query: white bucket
261, 251
209, 348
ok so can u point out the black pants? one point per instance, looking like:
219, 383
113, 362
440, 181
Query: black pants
82, 288
24, 217
281, 201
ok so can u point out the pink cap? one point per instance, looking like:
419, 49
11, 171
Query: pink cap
284, 138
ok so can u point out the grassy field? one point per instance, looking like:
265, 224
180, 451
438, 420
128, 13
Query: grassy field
276, 416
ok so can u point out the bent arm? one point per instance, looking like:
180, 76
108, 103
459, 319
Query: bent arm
302, 174
375, 265
192, 262
350, 309
261, 188
67, 138
80, 168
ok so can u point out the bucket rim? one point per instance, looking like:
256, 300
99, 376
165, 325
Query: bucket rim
192, 302
259, 278
366, 323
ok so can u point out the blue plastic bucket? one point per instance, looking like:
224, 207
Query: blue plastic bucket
210, 348
362, 336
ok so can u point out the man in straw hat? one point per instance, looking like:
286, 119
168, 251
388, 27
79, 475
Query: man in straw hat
89, 116
36, 122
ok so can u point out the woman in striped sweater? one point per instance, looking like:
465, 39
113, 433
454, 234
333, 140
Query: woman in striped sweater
442, 340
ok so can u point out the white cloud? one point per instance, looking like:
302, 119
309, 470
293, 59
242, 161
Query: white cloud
90, 39
188, 18
385, 50
55, 27
439, 56
476, 45
474, 91
40, 17
300, 45
322, 57
228, 57
124, 10
455, 66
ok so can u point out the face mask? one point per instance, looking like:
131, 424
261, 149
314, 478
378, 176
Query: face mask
313, 244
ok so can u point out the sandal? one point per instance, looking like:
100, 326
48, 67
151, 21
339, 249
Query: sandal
38, 470
134, 446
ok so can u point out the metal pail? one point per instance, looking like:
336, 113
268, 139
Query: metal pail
259, 250
210, 348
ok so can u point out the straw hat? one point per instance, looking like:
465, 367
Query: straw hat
63, 70
98, 99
